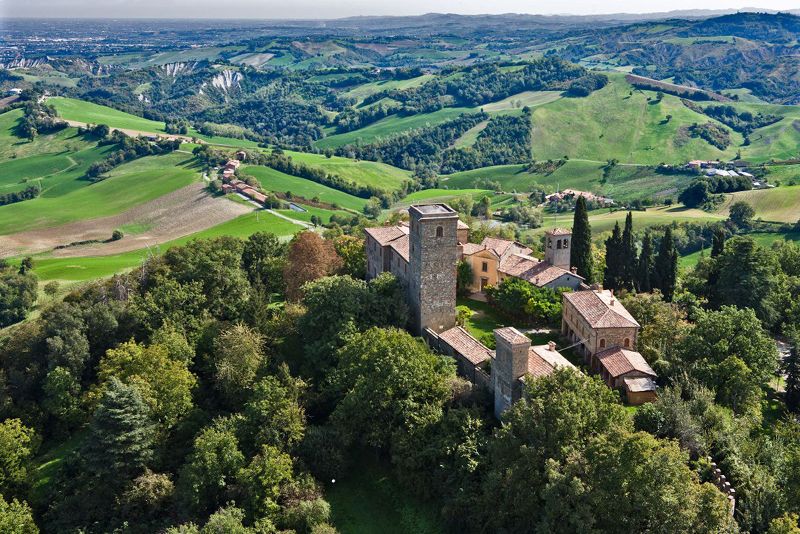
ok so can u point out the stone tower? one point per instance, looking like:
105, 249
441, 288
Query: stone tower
510, 364
433, 254
557, 247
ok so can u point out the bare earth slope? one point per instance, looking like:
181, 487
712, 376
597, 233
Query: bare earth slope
182, 212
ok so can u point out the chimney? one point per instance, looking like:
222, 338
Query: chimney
551, 346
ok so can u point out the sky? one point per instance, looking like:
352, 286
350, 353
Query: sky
321, 9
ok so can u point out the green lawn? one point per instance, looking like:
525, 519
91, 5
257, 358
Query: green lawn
368, 173
92, 267
323, 214
126, 186
483, 321
441, 195
369, 500
613, 123
273, 180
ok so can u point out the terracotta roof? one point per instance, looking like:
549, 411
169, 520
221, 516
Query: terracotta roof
637, 385
496, 245
618, 361
384, 234
401, 245
559, 231
601, 309
542, 361
468, 249
537, 272
463, 343
511, 335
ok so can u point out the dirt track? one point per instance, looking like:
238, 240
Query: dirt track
182, 212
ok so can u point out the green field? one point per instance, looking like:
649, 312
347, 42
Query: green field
89, 112
92, 267
364, 90
368, 173
369, 500
604, 220
619, 122
273, 180
779, 204
305, 216
126, 186
441, 195
392, 125
520, 100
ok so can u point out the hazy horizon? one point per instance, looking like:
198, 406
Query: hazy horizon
334, 9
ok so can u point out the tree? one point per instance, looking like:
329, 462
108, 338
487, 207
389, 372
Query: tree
169, 302
741, 214
310, 257
16, 517
263, 259
353, 253
207, 479
717, 241
484, 207
644, 265
164, 384
581, 253
785, 524
18, 443
120, 440
464, 277
263, 479
628, 254
18, 293
385, 378
274, 415
791, 367
62, 399
730, 346
238, 355
614, 275
665, 271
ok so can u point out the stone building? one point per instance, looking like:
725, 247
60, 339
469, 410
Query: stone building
497, 259
605, 333
515, 359
423, 255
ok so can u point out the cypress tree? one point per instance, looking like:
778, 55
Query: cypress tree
581, 253
613, 276
666, 266
717, 242
644, 266
792, 368
120, 438
628, 256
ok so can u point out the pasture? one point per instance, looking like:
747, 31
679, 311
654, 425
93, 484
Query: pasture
779, 204
272, 180
367, 173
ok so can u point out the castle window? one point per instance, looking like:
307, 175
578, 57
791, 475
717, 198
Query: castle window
549, 243
558, 243
485, 267
627, 342
439, 231
566, 243
602, 343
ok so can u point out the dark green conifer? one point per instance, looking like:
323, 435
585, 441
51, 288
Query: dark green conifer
717, 242
644, 266
628, 261
581, 253
613, 276
666, 266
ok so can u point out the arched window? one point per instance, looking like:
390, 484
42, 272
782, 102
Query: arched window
439, 231
558, 243
627, 343
602, 343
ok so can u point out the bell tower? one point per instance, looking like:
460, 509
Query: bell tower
557, 246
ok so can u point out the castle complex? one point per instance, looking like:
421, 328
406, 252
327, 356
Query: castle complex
423, 255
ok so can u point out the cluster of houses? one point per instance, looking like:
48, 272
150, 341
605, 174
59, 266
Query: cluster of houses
231, 184
573, 194
423, 255
712, 168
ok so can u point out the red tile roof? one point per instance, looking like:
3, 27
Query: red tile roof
468, 249
617, 362
537, 272
542, 360
463, 343
401, 245
601, 309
